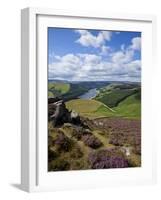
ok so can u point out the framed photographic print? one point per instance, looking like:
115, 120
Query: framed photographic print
86, 104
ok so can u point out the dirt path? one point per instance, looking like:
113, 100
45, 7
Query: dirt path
109, 108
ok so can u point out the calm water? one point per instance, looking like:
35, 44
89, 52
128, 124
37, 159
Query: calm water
90, 94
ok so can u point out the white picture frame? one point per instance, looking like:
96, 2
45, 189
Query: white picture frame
33, 177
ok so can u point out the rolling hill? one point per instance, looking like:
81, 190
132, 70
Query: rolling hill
113, 100
113, 94
57, 89
130, 108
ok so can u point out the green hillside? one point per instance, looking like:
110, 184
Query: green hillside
57, 89
114, 100
113, 95
124, 99
128, 108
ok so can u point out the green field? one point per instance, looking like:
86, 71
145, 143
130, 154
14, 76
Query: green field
128, 108
84, 105
88, 108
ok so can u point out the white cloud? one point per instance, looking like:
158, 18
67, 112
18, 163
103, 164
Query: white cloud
120, 65
123, 47
83, 67
134, 68
105, 50
136, 43
88, 39
90, 58
64, 67
121, 57
70, 59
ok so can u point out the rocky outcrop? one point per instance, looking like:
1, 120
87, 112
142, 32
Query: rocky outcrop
59, 114
53, 99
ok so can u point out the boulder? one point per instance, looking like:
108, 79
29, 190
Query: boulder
53, 99
75, 118
59, 114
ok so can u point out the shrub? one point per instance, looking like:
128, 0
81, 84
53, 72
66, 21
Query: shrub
62, 142
137, 149
91, 141
79, 164
133, 162
52, 154
114, 141
76, 152
78, 132
59, 165
123, 131
104, 159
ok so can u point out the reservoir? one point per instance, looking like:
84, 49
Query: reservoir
90, 94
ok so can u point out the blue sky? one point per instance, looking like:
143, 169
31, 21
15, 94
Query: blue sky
89, 55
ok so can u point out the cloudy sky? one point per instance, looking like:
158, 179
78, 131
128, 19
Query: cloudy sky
94, 55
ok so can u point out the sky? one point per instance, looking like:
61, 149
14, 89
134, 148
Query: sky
94, 55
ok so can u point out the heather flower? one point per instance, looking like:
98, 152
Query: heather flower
91, 141
105, 159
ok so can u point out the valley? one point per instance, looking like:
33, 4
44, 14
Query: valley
93, 125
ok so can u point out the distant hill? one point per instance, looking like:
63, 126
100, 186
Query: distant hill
114, 100
124, 98
57, 89
113, 94
72, 90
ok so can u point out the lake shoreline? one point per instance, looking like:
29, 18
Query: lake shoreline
90, 94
